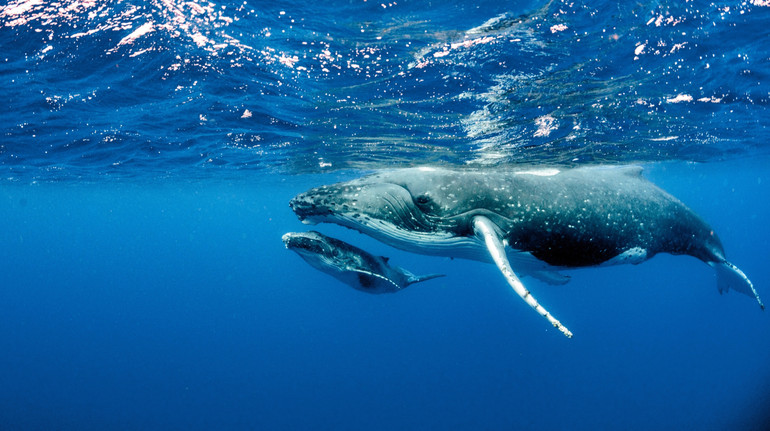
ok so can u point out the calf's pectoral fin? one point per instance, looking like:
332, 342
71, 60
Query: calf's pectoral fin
411, 278
485, 229
730, 276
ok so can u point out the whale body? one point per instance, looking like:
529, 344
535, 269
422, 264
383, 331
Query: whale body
349, 264
531, 221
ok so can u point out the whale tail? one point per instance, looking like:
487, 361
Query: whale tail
730, 276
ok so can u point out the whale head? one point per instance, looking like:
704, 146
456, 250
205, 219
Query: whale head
308, 243
322, 252
415, 209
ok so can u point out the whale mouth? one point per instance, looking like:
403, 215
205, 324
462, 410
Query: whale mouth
310, 242
307, 210
293, 240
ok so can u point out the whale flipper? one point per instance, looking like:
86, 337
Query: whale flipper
730, 276
528, 265
411, 278
485, 229
551, 277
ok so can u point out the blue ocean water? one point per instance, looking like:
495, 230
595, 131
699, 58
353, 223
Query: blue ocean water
148, 152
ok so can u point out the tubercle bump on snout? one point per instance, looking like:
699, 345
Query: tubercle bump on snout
305, 206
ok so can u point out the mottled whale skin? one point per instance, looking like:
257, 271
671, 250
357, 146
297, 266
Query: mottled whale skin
349, 264
531, 221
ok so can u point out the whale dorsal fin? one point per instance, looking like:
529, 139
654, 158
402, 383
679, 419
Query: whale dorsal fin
632, 171
486, 230
628, 170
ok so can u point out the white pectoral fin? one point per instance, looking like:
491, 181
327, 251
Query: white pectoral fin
411, 278
730, 276
485, 229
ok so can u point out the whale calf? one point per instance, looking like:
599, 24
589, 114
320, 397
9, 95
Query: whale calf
349, 264
531, 221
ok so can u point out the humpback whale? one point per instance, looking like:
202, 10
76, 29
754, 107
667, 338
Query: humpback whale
531, 221
349, 264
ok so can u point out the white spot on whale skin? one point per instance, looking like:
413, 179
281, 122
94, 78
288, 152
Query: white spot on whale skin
634, 256
548, 172
426, 169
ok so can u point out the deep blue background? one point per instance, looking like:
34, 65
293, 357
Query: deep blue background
144, 188
175, 306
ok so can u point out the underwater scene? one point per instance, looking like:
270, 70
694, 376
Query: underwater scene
359, 214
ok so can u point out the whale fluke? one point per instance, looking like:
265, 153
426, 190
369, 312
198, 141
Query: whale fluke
730, 276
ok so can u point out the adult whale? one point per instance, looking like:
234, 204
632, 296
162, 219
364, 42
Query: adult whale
530, 221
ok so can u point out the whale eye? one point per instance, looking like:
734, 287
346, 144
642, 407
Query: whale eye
422, 200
